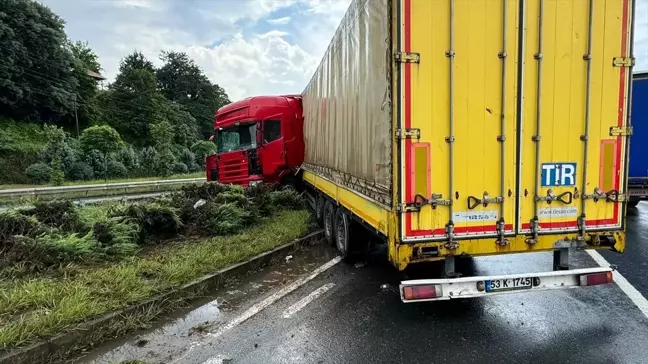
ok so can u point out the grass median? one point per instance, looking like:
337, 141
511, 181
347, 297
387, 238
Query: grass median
39, 301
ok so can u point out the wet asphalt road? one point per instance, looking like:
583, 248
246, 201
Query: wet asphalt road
356, 316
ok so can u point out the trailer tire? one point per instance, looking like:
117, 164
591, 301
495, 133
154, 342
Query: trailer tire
320, 202
329, 222
343, 234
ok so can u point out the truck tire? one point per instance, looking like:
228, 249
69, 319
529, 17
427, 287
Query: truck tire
633, 203
320, 201
329, 222
343, 234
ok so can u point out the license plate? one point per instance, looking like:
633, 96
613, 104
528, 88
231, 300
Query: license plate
637, 192
508, 284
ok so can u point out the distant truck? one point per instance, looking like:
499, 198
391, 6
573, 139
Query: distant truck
447, 129
258, 140
638, 173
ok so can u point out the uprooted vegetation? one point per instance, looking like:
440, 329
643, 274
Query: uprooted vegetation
51, 234
61, 264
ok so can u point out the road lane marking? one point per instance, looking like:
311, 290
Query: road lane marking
274, 298
637, 298
306, 300
263, 304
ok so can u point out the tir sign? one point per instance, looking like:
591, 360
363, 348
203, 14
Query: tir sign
558, 174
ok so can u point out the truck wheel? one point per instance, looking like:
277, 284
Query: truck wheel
633, 203
319, 209
343, 234
329, 222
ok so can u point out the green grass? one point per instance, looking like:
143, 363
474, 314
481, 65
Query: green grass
21, 137
96, 182
41, 307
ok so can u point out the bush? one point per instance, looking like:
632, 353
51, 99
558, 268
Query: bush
80, 172
179, 168
153, 219
58, 176
14, 223
59, 214
164, 163
116, 237
95, 159
129, 158
288, 199
39, 173
222, 218
116, 169
65, 248
203, 149
148, 157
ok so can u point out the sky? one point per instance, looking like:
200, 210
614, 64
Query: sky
248, 47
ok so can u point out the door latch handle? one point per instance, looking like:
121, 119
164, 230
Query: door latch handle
485, 200
565, 197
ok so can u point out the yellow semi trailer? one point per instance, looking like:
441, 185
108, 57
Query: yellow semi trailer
455, 128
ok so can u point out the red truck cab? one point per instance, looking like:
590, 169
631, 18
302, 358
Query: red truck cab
258, 140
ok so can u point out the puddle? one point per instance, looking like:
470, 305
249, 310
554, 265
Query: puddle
172, 334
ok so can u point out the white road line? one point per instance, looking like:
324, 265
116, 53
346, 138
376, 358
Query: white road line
217, 360
274, 298
306, 300
263, 304
622, 282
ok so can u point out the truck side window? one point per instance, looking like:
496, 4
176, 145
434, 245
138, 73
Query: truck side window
271, 130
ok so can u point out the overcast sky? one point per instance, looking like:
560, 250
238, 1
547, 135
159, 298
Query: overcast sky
249, 47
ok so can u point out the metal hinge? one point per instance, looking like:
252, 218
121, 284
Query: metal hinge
407, 57
408, 133
623, 61
620, 130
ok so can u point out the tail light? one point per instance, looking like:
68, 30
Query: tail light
422, 292
596, 279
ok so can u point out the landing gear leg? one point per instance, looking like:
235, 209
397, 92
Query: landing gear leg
561, 259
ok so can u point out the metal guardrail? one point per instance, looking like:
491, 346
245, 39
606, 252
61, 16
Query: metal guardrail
23, 192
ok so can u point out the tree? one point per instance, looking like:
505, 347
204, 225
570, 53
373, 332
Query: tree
182, 81
102, 138
85, 59
36, 78
203, 149
133, 101
185, 130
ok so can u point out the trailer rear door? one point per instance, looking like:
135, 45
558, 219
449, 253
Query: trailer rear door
513, 116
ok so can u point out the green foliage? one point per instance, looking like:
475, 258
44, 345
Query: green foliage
163, 163
38, 83
64, 248
117, 236
189, 159
162, 135
14, 223
116, 169
18, 137
179, 168
85, 59
95, 159
39, 173
80, 172
148, 159
182, 81
102, 138
58, 176
287, 199
58, 214
129, 158
203, 149
153, 219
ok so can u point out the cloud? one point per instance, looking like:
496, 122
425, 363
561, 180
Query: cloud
279, 21
249, 47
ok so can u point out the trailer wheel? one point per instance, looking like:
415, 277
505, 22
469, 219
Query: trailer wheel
343, 234
633, 203
320, 201
329, 222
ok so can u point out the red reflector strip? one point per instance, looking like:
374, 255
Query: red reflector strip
596, 279
422, 292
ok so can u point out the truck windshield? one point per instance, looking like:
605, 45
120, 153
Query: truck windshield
236, 137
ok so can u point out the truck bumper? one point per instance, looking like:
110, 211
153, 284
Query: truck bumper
424, 290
